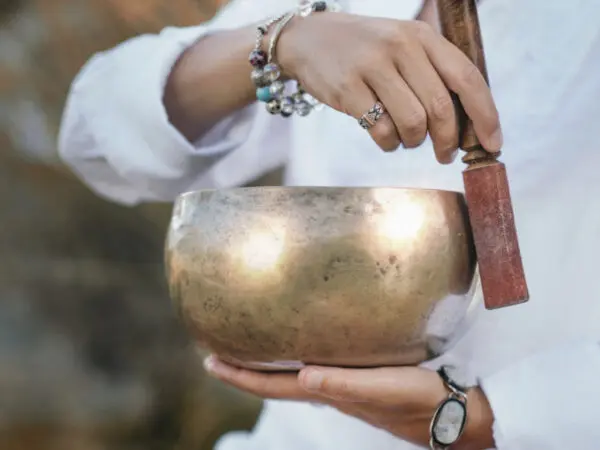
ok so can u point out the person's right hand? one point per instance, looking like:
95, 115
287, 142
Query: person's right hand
350, 62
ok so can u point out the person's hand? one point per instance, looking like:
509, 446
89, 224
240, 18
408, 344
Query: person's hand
350, 62
401, 400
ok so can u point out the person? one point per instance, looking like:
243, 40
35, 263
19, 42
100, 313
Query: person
166, 113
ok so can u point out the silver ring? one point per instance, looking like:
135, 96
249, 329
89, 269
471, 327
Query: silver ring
371, 117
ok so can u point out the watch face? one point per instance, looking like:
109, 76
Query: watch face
449, 422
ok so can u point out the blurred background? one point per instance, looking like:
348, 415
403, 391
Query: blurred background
91, 354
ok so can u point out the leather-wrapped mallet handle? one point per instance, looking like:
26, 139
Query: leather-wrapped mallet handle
486, 183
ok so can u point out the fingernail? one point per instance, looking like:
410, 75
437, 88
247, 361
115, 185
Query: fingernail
312, 380
209, 364
496, 141
214, 367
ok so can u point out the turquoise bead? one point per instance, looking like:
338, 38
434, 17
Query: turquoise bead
264, 94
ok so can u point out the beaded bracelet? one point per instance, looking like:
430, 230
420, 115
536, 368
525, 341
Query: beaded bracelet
257, 57
266, 73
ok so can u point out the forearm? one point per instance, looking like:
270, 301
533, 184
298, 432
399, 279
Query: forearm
210, 81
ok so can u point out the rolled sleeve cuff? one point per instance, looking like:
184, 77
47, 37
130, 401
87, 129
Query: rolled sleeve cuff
122, 120
133, 128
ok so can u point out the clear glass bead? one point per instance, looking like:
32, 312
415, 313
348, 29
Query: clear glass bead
303, 108
305, 8
277, 88
287, 106
258, 78
271, 72
298, 97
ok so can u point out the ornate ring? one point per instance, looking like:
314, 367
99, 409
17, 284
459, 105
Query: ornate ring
371, 117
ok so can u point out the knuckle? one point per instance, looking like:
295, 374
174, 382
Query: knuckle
471, 76
384, 130
415, 123
396, 36
422, 30
441, 107
337, 388
341, 91
412, 138
386, 136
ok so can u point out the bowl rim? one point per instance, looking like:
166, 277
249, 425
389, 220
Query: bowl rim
196, 192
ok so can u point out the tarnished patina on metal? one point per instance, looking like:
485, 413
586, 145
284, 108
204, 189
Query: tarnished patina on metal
273, 278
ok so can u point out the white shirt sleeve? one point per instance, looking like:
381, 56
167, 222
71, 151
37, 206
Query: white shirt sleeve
116, 136
549, 401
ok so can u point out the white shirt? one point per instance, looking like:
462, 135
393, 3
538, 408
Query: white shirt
539, 363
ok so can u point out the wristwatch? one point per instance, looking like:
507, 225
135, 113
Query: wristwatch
450, 418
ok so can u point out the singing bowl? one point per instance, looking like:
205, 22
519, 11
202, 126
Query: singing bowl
273, 278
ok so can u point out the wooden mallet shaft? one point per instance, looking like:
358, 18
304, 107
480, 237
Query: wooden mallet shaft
486, 184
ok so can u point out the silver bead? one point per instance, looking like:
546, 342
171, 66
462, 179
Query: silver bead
258, 78
274, 106
277, 88
305, 8
303, 108
287, 106
272, 72
298, 97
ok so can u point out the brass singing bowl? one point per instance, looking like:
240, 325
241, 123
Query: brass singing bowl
273, 278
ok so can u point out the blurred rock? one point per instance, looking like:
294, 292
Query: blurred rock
44, 43
91, 355
88, 339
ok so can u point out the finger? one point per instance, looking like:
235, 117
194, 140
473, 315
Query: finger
359, 102
433, 95
394, 386
264, 385
402, 104
347, 385
465, 79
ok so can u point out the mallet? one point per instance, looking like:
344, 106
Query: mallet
486, 184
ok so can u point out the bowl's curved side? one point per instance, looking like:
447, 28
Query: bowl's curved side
350, 277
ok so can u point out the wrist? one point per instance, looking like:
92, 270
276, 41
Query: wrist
478, 434
286, 46
289, 55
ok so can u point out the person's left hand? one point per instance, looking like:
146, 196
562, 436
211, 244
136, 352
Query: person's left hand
401, 400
